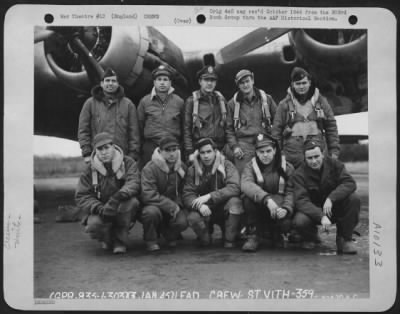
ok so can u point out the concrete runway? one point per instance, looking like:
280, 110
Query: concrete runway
67, 260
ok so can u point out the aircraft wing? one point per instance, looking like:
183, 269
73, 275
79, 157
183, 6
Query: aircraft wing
353, 127
70, 60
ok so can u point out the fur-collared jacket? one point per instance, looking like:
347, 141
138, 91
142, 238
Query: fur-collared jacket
162, 186
312, 187
281, 129
158, 118
116, 116
257, 184
121, 183
251, 118
221, 181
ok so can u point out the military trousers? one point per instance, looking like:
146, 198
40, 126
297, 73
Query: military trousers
113, 229
226, 216
258, 219
156, 222
345, 214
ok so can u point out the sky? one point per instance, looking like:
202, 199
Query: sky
45, 145
183, 38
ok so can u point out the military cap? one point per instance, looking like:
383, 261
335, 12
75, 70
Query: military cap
205, 141
207, 72
101, 139
263, 140
242, 74
168, 141
311, 144
109, 72
298, 74
160, 70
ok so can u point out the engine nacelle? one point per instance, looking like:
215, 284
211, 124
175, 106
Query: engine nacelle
341, 54
132, 52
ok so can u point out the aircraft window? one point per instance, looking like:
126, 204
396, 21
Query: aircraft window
288, 54
209, 59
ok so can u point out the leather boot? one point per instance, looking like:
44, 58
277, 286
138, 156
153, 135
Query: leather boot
345, 247
201, 230
152, 246
251, 245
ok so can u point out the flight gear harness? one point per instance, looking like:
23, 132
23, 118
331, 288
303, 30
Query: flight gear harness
95, 181
260, 179
196, 121
290, 121
266, 123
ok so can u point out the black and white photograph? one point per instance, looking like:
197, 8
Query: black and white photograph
220, 163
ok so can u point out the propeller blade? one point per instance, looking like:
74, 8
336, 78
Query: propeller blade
249, 42
42, 34
93, 68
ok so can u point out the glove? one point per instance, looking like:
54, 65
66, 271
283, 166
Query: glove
111, 207
86, 159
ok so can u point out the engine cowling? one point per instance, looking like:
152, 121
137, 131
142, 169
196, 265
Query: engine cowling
337, 59
132, 52
337, 50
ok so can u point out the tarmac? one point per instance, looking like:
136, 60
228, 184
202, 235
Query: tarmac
67, 260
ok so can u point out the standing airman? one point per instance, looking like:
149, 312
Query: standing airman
108, 110
160, 113
250, 112
304, 114
205, 113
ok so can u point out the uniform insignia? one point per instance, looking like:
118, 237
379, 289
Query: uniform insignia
260, 137
161, 67
210, 70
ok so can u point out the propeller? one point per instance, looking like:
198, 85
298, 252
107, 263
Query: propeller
93, 68
249, 42
77, 41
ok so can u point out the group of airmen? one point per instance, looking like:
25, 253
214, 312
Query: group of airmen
246, 164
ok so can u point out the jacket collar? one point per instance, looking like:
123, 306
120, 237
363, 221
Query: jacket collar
98, 93
217, 166
160, 162
322, 173
256, 95
117, 163
205, 95
154, 93
313, 98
